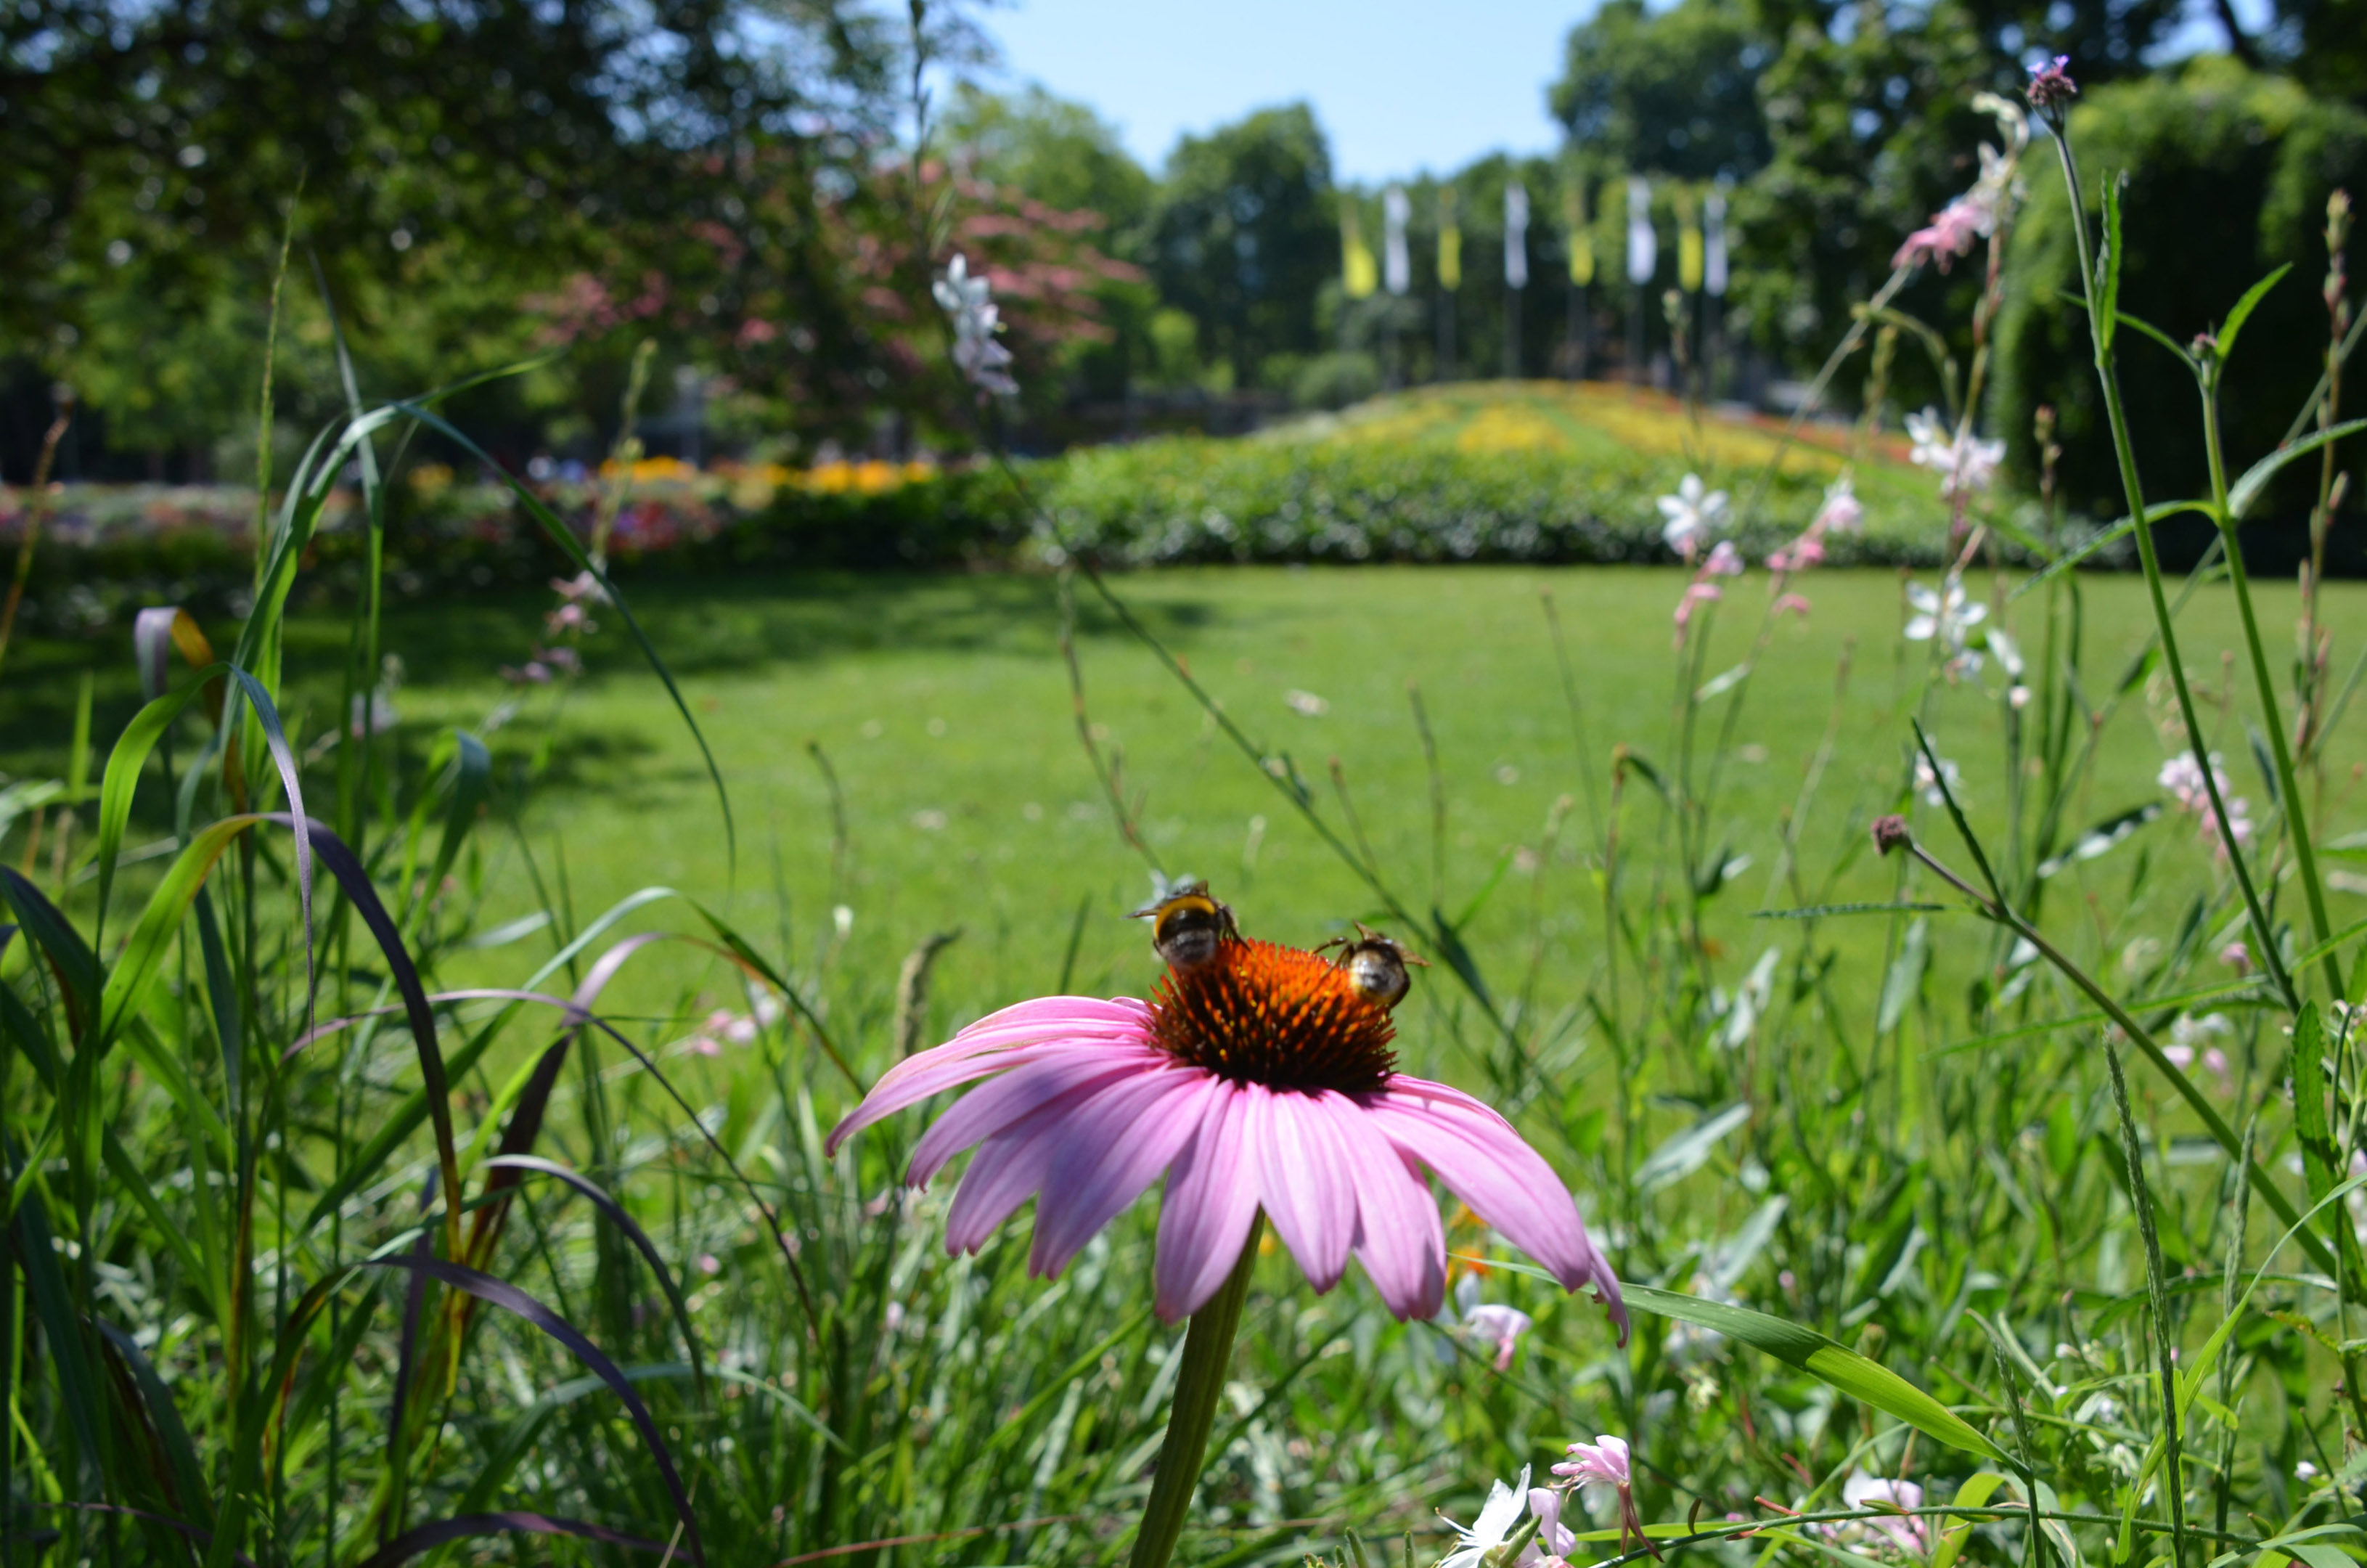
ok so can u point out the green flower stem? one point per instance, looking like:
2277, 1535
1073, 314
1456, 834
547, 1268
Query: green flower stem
2139, 1036
1199, 1387
2296, 822
2108, 377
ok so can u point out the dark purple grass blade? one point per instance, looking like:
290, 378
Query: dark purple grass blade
342, 865
464, 1526
406, 1361
633, 1233
517, 1138
508, 1297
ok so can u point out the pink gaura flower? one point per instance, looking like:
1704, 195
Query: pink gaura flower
1695, 595
1601, 1463
1555, 1540
1600, 1469
1257, 1076
1500, 1326
1949, 235
1724, 560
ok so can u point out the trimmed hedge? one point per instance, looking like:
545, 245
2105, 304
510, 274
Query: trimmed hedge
1454, 474
1189, 500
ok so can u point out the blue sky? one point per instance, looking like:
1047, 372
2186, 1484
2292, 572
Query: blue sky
1399, 85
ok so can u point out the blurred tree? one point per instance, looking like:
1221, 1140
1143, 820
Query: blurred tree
2260, 157
152, 153
1871, 127
1055, 152
1674, 93
1244, 235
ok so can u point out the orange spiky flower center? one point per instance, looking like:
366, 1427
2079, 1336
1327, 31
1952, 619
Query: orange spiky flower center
1258, 1013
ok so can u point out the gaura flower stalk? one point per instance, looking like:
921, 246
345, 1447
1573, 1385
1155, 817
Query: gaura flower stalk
1260, 1080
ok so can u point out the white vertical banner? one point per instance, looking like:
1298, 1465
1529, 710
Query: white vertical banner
1643, 245
1516, 236
1714, 242
1397, 269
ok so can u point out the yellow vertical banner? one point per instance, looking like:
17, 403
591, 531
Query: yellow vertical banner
1579, 238
1359, 274
1689, 242
1450, 242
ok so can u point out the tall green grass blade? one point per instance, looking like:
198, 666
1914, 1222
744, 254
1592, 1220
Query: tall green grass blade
1863, 1379
472, 775
69, 1354
70, 959
120, 781
160, 923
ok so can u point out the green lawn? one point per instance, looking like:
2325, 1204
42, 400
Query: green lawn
1792, 1151
942, 704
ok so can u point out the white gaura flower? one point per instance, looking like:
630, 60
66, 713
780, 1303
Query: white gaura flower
1691, 514
1841, 511
1494, 1526
970, 302
1946, 615
1930, 782
1965, 462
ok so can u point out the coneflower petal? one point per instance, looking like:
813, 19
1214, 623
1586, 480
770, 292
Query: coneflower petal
1398, 1238
1211, 1199
1045, 1073
1484, 1162
1302, 1177
1009, 1169
1121, 1138
990, 1046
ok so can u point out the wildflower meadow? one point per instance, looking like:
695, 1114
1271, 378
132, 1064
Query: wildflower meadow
1364, 994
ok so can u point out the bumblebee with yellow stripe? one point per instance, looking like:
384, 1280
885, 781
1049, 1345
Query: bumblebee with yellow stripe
1187, 926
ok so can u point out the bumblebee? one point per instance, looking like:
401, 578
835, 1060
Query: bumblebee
1187, 925
1375, 965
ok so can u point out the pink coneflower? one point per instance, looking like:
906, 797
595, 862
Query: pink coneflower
1256, 1075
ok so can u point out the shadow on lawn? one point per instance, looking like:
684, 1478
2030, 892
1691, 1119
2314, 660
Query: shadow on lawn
701, 625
